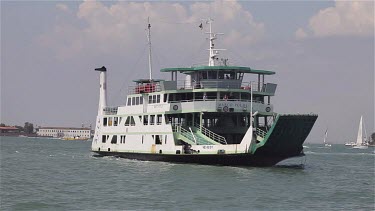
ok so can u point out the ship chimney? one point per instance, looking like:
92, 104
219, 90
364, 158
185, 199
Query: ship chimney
103, 90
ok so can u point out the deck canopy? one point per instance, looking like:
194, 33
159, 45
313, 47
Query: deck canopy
142, 81
189, 70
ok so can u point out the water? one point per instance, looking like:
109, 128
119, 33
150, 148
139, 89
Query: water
47, 174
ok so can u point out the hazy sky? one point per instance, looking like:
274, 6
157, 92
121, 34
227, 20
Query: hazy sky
322, 53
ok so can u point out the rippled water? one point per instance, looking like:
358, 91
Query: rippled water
47, 174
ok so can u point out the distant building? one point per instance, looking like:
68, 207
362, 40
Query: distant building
59, 132
9, 129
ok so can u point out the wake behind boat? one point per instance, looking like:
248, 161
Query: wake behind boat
211, 117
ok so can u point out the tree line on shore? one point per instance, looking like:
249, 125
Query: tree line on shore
28, 127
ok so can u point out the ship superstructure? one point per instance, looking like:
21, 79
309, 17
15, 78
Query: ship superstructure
213, 116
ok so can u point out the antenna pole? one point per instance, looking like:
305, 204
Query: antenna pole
149, 47
214, 52
211, 60
251, 103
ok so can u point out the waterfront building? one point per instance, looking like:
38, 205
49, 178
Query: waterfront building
61, 132
9, 130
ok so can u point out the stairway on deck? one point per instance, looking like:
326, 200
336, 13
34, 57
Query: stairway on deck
198, 137
193, 136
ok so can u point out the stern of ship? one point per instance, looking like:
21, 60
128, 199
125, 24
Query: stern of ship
286, 136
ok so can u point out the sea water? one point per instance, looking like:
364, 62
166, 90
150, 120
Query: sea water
50, 174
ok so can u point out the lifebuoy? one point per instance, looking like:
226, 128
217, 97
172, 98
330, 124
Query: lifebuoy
225, 109
268, 109
175, 107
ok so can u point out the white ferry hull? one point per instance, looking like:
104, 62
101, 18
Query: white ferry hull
279, 145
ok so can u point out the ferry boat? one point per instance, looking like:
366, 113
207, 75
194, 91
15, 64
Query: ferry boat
212, 117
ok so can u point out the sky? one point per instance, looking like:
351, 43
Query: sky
322, 53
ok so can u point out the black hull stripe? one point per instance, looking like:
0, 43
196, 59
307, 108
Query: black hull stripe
217, 159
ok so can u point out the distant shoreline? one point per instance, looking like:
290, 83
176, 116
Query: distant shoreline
19, 134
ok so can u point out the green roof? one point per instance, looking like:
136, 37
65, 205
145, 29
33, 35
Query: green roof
207, 68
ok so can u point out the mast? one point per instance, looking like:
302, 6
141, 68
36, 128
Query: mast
149, 47
213, 51
367, 139
325, 136
359, 136
251, 104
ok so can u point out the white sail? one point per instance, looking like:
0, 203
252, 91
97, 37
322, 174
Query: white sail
325, 139
325, 136
359, 136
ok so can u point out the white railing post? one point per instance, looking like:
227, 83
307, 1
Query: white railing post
195, 140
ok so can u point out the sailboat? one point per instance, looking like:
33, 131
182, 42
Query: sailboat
325, 139
350, 144
360, 144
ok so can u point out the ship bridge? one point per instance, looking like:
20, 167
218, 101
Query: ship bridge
230, 77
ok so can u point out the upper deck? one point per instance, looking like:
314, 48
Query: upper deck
207, 78
222, 69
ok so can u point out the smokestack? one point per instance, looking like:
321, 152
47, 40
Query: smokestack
103, 90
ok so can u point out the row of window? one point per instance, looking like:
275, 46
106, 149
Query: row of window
111, 121
139, 100
135, 101
152, 119
220, 75
61, 131
157, 138
146, 119
153, 99
114, 121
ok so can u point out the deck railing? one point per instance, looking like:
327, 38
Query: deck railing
215, 99
144, 88
261, 133
182, 85
216, 137
110, 110
230, 84
188, 134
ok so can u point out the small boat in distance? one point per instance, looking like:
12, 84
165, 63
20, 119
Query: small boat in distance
325, 139
77, 138
360, 144
350, 144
